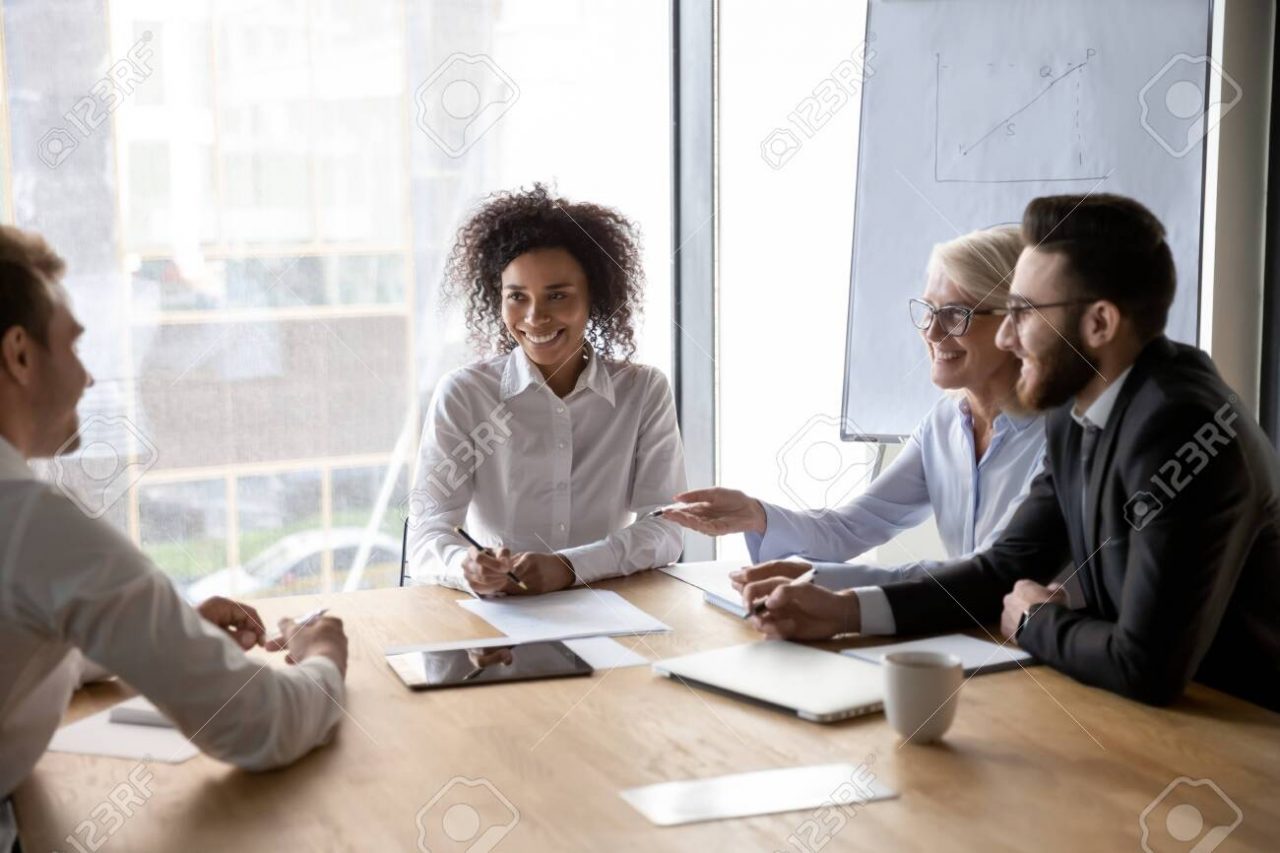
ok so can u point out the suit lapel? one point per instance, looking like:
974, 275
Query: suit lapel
1156, 351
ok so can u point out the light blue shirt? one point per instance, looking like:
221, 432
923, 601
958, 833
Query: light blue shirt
937, 472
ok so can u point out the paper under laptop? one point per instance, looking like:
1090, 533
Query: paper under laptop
758, 793
977, 656
713, 579
570, 614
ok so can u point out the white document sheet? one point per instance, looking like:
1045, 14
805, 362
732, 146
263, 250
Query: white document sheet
564, 615
97, 735
450, 645
977, 656
759, 793
605, 653
711, 576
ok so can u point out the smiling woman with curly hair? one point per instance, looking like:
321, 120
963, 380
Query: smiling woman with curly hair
603, 242
555, 447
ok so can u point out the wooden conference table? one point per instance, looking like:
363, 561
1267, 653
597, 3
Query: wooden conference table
1034, 760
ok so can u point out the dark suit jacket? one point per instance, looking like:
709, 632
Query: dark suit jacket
1188, 589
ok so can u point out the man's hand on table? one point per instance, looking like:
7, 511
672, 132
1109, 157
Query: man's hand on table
801, 611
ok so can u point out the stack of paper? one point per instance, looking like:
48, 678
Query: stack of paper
977, 656
565, 615
713, 579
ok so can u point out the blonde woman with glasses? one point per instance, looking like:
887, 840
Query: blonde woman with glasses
969, 462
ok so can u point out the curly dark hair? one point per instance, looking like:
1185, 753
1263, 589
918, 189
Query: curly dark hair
507, 224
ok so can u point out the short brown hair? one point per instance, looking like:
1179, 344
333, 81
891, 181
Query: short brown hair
1116, 249
28, 267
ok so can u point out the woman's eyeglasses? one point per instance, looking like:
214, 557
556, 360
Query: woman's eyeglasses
954, 319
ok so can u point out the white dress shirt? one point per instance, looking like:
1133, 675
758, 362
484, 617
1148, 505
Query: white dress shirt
1099, 411
516, 465
73, 586
938, 472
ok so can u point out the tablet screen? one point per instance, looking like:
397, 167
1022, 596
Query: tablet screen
490, 665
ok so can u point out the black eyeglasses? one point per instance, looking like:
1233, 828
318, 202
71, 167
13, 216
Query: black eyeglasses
1016, 310
954, 319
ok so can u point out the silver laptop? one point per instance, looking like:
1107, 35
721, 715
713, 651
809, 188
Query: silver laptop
812, 684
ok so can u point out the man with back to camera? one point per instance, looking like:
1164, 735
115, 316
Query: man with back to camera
77, 597
1159, 487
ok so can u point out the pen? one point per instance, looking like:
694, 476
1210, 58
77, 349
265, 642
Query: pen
759, 607
660, 511
303, 621
515, 579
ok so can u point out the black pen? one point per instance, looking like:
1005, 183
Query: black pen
515, 579
759, 607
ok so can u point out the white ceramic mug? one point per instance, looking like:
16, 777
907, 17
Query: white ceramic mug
921, 693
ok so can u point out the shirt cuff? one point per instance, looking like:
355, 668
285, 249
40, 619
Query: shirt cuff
591, 562
876, 615
446, 572
778, 540
840, 576
327, 674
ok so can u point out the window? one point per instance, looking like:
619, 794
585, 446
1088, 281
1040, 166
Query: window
787, 175
255, 208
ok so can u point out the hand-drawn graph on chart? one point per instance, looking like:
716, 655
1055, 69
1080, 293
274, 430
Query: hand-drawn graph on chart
1016, 120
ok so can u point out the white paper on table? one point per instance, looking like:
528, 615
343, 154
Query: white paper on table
97, 735
759, 793
605, 653
977, 656
451, 645
711, 576
564, 615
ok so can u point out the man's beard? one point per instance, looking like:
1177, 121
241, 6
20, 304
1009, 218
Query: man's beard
1061, 373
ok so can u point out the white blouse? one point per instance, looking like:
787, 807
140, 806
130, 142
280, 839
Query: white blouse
972, 500
516, 465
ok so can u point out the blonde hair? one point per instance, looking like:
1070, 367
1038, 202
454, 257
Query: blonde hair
980, 263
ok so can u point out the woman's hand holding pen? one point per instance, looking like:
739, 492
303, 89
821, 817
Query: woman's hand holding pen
489, 571
717, 512
542, 572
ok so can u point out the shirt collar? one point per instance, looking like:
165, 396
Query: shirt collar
12, 465
1100, 411
519, 373
1012, 419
